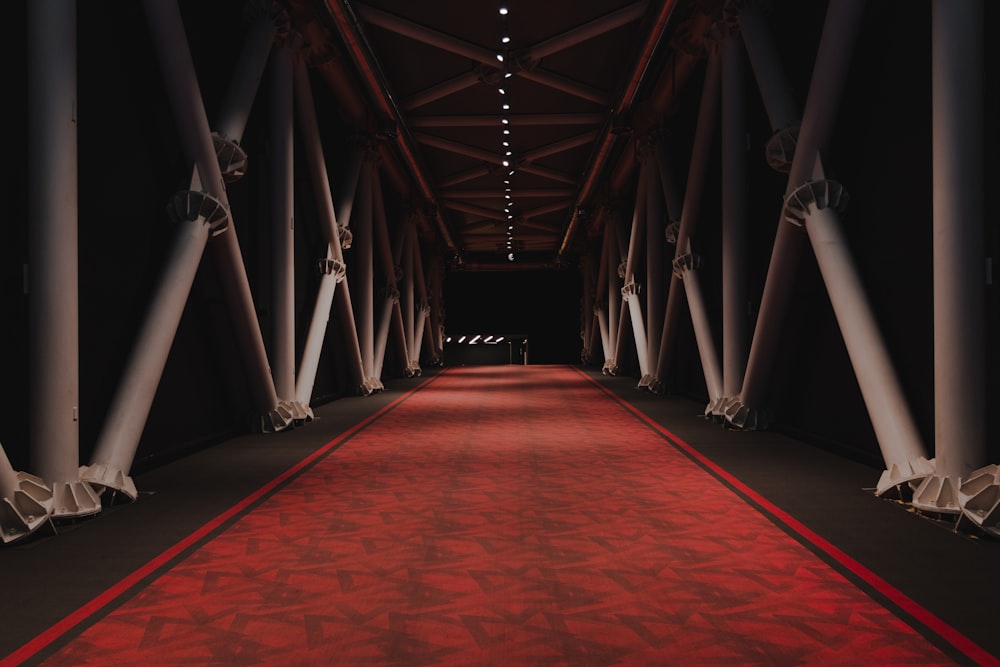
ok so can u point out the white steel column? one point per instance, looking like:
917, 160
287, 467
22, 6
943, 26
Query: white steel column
331, 273
734, 231
436, 303
407, 299
26, 502
600, 295
612, 296
782, 111
365, 262
390, 292
959, 291
421, 307
283, 227
54, 351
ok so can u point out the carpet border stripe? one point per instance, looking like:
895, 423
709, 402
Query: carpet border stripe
939, 627
167, 557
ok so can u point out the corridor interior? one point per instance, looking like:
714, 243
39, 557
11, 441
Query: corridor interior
504, 515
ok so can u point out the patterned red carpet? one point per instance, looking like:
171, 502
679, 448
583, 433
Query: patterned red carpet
501, 516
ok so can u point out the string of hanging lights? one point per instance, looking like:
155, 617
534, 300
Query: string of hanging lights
506, 140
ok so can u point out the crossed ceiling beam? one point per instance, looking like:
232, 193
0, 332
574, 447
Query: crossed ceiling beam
586, 32
520, 194
516, 120
441, 90
523, 219
523, 162
347, 24
525, 61
459, 148
486, 58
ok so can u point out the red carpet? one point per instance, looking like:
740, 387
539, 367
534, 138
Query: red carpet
499, 516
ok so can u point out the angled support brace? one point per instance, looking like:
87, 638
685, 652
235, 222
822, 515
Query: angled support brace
436, 304
332, 267
685, 262
600, 299
782, 111
345, 308
631, 289
587, 312
391, 316
199, 215
612, 257
268, 20
332, 273
675, 294
25, 502
789, 245
167, 30
815, 206
407, 304
811, 202
421, 305
747, 410
617, 311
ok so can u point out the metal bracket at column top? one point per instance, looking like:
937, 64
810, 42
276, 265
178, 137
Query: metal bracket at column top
391, 293
631, 289
232, 158
812, 196
672, 232
268, 10
333, 267
346, 237
686, 262
780, 149
189, 205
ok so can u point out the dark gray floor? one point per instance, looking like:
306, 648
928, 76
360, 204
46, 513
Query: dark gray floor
954, 576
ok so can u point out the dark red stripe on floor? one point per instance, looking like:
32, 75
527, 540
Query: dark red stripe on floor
500, 516
949, 634
95, 606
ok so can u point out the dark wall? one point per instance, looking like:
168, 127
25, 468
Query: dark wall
880, 151
543, 305
131, 163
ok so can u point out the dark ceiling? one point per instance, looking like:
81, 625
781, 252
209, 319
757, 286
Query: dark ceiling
427, 77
